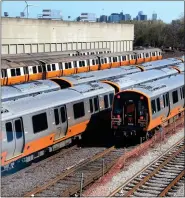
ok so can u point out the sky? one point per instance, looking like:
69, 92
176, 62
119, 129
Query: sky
166, 10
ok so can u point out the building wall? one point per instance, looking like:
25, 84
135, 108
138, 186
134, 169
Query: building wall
33, 35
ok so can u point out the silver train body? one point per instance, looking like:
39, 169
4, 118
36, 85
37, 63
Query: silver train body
45, 122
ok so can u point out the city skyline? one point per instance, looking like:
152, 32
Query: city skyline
172, 10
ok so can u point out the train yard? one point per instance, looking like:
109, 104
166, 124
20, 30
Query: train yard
72, 120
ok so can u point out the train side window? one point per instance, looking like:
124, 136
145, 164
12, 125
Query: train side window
105, 60
83, 63
9, 131
164, 101
102, 62
5, 73
53, 67
106, 102
167, 101
97, 62
75, 64
12, 72
78, 110
18, 72
49, 67
88, 62
66, 65
40, 69
153, 107
175, 96
110, 60
34, 69
96, 104
18, 129
63, 114
182, 92
69, 65
91, 105
40, 122
111, 98
158, 105
25, 70
93, 62
80, 63
56, 116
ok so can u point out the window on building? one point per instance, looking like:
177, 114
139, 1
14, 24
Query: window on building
158, 105
79, 110
18, 129
40, 122
153, 107
106, 102
175, 96
9, 131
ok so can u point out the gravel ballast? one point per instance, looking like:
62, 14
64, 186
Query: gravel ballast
25, 182
105, 188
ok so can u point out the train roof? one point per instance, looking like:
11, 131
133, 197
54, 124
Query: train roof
92, 50
161, 63
99, 75
160, 86
13, 109
147, 50
137, 78
17, 91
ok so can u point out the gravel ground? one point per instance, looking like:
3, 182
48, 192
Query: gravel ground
180, 192
105, 189
25, 182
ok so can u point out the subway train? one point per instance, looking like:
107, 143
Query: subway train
23, 69
37, 124
14, 92
147, 107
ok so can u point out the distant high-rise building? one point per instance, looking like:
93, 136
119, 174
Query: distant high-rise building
50, 14
127, 17
89, 17
154, 16
103, 18
114, 18
143, 17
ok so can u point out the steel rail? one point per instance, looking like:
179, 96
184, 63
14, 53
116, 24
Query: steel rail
143, 169
66, 173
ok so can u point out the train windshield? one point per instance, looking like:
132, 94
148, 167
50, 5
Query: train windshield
131, 108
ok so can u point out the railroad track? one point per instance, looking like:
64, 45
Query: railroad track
160, 178
76, 178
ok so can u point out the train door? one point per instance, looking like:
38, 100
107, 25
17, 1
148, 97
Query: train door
26, 74
44, 72
4, 77
129, 113
15, 137
167, 101
19, 136
60, 117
